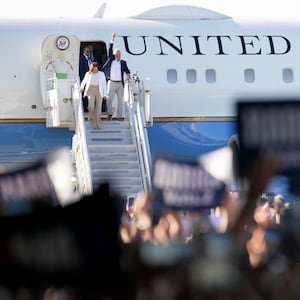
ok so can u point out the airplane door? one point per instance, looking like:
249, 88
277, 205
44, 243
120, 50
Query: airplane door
58, 74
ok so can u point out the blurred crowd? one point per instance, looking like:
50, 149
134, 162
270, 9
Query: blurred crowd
245, 248
201, 255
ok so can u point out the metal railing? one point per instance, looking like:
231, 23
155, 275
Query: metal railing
138, 101
79, 145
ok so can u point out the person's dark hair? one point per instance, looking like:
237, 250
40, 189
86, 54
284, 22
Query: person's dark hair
93, 65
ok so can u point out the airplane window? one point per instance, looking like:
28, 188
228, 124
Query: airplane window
172, 76
287, 75
210, 75
191, 76
249, 75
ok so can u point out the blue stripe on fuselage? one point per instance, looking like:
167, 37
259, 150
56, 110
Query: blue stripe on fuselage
189, 139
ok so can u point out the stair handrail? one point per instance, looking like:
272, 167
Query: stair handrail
134, 92
80, 151
144, 120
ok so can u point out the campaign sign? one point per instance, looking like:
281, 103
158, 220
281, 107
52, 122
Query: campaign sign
183, 184
45, 182
269, 130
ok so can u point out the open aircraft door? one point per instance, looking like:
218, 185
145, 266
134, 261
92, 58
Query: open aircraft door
58, 74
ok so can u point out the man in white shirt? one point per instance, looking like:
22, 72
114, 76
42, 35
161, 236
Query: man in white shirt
114, 70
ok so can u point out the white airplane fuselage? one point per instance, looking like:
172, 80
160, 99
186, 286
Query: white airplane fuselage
198, 67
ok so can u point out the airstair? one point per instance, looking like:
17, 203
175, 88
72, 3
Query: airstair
118, 153
114, 157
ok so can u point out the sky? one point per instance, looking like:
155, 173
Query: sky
269, 10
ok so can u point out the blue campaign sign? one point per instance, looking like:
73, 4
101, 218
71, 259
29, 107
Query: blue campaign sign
23, 188
184, 184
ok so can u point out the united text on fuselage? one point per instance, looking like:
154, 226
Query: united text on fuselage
221, 44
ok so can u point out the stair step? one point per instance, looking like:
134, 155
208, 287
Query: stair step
112, 157
109, 141
107, 125
117, 182
113, 164
115, 148
108, 134
115, 173
107, 129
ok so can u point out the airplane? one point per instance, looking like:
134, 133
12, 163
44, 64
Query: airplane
199, 63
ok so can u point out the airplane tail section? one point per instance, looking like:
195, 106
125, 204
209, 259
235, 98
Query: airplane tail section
100, 12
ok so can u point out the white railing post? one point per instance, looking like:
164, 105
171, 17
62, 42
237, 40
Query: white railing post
137, 118
81, 155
